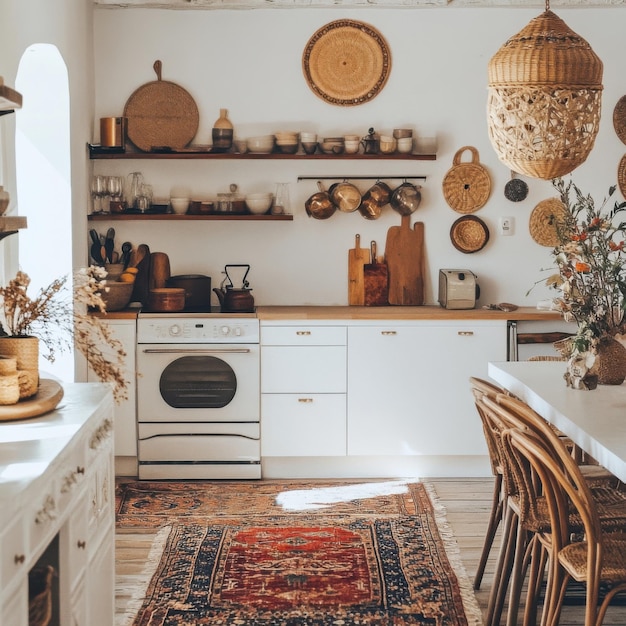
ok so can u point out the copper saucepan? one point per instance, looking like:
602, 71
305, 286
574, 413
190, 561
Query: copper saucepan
345, 196
374, 199
406, 198
319, 205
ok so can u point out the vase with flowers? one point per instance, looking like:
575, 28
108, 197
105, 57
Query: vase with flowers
55, 320
591, 280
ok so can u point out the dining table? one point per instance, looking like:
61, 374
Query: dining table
595, 419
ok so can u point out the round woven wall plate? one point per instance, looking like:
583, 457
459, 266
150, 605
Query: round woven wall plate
544, 221
515, 190
466, 186
161, 114
621, 175
469, 234
346, 62
619, 119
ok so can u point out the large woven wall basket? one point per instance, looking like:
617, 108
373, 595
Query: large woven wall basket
544, 101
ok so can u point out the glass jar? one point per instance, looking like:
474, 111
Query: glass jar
281, 200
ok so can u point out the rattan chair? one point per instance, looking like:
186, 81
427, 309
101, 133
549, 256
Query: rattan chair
529, 544
481, 387
599, 558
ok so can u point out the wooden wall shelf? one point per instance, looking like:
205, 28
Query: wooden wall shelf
106, 217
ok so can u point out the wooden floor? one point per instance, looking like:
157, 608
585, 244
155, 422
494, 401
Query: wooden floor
467, 502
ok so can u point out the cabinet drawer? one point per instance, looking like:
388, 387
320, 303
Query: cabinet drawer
74, 536
13, 553
303, 425
293, 369
303, 335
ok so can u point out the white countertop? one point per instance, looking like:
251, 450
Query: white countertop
595, 420
29, 446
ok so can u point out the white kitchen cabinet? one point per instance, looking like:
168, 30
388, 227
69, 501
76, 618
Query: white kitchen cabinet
52, 466
408, 389
125, 330
303, 391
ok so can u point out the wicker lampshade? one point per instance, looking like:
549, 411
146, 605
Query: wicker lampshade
545, 94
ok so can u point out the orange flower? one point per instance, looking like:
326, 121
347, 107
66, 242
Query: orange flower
616, 246
580, 236
582, 267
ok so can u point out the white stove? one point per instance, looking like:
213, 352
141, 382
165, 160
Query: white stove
198, 395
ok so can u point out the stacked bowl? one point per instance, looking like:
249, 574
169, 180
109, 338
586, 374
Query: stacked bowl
287, 141
261, 145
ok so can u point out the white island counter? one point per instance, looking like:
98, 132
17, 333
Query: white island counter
57, 507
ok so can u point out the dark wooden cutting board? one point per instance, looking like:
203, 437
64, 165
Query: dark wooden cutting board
357, 258
404, 253
375, 280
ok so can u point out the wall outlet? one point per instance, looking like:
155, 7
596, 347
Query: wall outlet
507, 225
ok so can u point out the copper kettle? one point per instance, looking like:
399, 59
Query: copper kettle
235, 299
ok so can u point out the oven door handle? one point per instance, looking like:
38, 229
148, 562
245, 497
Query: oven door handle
196, 350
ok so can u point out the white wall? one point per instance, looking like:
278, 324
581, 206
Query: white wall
250, 63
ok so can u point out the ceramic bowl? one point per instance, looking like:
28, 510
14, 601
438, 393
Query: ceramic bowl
405, 145
309, 147
261, 145
179, 205
259, 203
287, 148
116, 295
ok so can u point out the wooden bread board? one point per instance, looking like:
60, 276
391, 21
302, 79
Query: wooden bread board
357, 258
375, 280
404, 253
45, 400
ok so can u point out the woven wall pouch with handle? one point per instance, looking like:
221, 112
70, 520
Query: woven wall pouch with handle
466, 186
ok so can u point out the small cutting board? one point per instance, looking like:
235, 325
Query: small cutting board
357, 258
375, 280
404, 253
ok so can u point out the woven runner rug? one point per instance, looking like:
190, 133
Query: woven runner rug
296, 553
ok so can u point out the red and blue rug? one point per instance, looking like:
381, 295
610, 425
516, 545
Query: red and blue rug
334, 560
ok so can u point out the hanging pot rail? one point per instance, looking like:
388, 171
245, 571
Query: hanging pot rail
336, 177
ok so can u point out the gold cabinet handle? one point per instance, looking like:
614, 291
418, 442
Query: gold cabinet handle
18, 559
305, 400
465, 333
81, 544
303, 332
388, 332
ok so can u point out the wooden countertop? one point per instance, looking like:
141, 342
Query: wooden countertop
427, 312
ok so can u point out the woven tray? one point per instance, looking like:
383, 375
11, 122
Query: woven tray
469, 234
544, 220
161, 114
346, 62
466, 186
621, 175
619, 119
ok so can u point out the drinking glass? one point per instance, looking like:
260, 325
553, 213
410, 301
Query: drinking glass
98, 191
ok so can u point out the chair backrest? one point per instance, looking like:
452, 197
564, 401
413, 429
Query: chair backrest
567, 493
480, 389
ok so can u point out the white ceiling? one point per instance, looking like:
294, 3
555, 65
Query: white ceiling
345, 4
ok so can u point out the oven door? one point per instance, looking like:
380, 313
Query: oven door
198, 383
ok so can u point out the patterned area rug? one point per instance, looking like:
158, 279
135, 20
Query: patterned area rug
289, 553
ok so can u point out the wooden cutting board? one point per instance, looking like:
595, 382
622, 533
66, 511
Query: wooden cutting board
159, 270
404, 253
142, 280
357, 258
375, 280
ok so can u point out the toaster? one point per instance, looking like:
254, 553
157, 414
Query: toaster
458, 289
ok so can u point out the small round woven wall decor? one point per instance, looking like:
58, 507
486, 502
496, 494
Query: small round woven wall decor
544, 222
469, 234
466, 186
619, 119
621, 175
346, 62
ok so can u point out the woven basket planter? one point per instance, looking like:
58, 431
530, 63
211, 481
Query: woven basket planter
25, 351
545, 92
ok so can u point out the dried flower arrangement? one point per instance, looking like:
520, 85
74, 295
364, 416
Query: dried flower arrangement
591, 259
60, 321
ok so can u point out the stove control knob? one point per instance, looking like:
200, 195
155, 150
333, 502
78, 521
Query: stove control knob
237, 331
175, 330
225, 330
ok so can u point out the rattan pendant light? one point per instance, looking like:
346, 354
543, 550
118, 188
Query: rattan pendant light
545, 95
